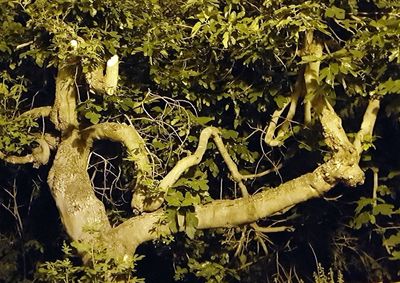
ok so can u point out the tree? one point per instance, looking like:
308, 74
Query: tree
214, 102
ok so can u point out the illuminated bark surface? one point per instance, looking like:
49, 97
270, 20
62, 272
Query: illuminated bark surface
82, 213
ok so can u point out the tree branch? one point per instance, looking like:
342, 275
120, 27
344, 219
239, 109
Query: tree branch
81, 212
195, 158
105, 83
278, 139
306, 86
368, 123
13, 159
63, 114
138, 153
342, 167
40, 155
37, 112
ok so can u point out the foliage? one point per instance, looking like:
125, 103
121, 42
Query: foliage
321, 277
379, 212
100, 269
14, 129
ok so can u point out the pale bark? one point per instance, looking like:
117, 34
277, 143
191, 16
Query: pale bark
84, 216
143, 198
342, 167
80, 210
111, 79
305, 87
194, 159
368, 124
105, 83
63, 113
37, 112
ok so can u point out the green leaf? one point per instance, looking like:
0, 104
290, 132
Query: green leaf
386, 87
196, 28
190, 200
225, 39
191, 223
171, 215
360, 220
363, 202
93, 117
229, 134
383, 209
203, 120
281, 100
393, 240
335, 12
174, 198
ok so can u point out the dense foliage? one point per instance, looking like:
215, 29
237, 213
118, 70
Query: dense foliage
185, 65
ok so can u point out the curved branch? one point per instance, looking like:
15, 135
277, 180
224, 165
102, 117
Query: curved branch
40, 155
261, 174
270, 132
50, 139
342, 167
138, 153
81, 212
37, 112
194, 159
187, 162
273, 139
306, 85
13, 159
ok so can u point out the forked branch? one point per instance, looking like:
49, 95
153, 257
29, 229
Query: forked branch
306, 86
342, 167
194, 159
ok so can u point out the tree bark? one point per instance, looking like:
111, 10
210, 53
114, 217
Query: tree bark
84, 216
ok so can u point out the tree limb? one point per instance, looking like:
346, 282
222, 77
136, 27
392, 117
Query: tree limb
105, 83
13, 159
278, 139
306, 86
40, 155
195, 158
37, 112
368, 124
342, 167
63, 113
81, 212
138, 153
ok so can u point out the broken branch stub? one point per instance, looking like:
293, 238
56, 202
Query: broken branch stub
107, 83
